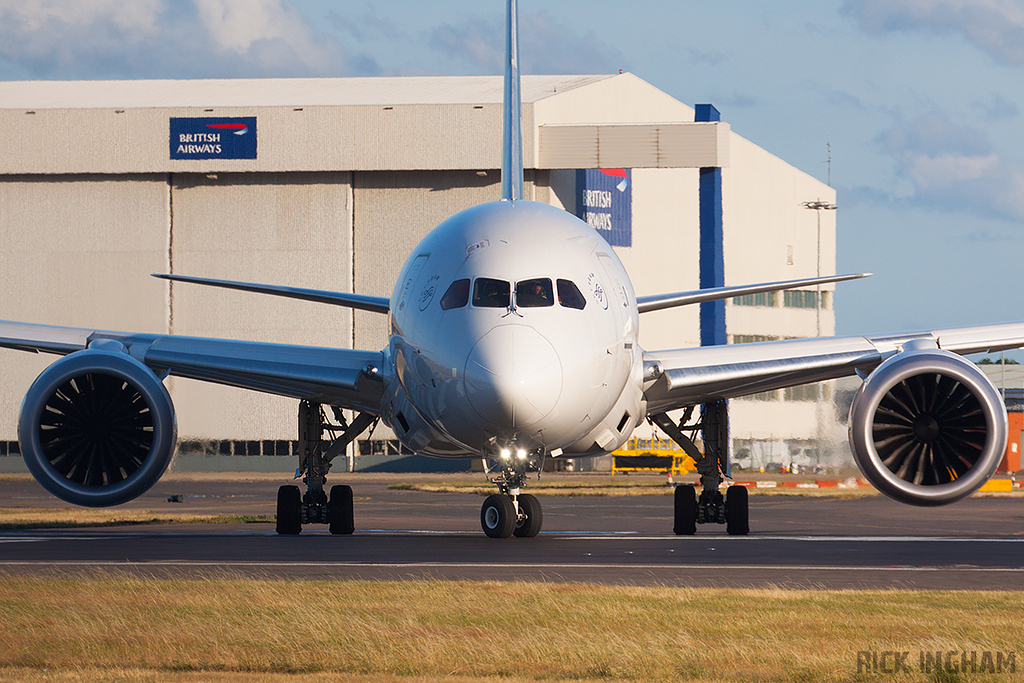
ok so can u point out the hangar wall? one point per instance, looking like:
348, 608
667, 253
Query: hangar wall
78, 251
292, 229
772, 235
350, 175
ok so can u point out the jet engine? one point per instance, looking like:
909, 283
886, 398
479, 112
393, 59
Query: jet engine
927, 427
97, 428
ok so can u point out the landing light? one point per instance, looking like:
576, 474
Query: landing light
505, 454
521, 454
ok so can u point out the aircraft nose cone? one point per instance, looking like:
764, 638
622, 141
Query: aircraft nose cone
513, 376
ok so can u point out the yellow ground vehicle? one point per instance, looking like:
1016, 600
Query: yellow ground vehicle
651, 455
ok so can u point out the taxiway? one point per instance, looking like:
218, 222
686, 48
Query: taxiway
795, 541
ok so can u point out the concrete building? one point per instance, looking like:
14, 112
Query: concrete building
330, 185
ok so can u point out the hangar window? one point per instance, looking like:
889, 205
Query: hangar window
759, 299
799, 298
534, 293
490, 293
569, 295
807, 392
457, 295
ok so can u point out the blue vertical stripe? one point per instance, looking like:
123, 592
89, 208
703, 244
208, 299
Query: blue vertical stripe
712, 247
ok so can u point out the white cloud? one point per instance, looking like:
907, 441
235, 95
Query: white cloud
472, 41
163, 39
547, 45
989, 185
998, 108
238, 25
952, 167
366, 26
50, 34
37, 16
995, 26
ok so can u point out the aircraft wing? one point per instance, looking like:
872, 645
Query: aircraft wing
374, 304
657, 302
682, 377
343, 377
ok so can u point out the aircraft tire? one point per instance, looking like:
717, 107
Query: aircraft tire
737, 518
339, 510
534, 517
289, 510
498, 516
686, 511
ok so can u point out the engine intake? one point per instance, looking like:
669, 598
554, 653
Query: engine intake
97, 428
927, 427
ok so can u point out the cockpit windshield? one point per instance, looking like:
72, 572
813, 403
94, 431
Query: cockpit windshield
457, 295
489, 293
534, 293
569, 295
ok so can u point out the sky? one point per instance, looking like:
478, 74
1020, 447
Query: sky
918, 103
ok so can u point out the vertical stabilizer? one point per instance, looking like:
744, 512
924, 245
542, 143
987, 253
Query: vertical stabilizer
512, 133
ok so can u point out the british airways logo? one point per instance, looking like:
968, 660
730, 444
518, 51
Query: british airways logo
236, 128
604, 199
617, 173
213, 138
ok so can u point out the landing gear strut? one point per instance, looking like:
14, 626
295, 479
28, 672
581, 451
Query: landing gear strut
509, 512
295, 509
711, 506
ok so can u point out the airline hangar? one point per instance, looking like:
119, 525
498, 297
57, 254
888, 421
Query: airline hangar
329, 183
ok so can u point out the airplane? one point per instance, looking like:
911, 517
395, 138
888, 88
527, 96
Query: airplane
513, 339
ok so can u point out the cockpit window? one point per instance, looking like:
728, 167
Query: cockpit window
569, 295
490, 293
534, 293
457, 295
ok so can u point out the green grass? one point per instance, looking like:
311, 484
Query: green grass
73, 518
617, 487
248, 630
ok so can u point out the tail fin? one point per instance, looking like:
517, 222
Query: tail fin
512, 133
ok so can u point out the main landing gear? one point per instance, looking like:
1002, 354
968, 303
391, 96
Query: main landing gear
509, 512
711, 506
730, 509
295, 509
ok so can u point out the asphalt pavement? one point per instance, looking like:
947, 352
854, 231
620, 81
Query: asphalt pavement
795, 541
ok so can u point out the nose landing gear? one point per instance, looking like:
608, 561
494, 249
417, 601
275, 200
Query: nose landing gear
509, 512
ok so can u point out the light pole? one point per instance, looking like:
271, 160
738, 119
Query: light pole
818, 206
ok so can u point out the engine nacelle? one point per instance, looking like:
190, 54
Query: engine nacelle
97, 428
927, 427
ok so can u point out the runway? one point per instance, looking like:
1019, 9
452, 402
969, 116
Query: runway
864, 542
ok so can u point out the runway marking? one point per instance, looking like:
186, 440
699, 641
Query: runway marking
512, 566
561, 535
635, 535
863, 539
55, 537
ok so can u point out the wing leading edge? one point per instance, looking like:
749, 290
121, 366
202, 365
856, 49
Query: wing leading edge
374, 304
677, 378
656, 302
347, 378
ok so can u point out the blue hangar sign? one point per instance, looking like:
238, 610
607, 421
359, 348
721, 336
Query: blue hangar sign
604, 199
213, 138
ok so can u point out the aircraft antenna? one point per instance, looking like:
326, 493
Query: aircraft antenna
512, 131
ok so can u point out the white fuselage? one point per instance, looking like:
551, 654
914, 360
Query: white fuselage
513, 325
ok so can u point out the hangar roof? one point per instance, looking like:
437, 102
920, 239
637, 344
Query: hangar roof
346, 124
278, 92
